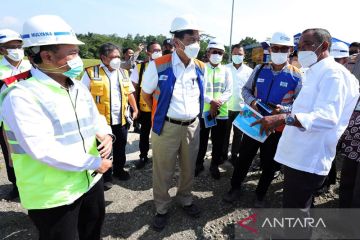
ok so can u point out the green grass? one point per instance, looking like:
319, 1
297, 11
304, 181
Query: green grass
90, 62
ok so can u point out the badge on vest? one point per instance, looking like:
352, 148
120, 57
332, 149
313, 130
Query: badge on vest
261, 80
283, 84
96, 78
163, 77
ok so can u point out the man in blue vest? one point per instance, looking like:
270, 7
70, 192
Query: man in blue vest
173, 87
275, 84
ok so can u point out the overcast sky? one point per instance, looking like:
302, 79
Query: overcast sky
254, 18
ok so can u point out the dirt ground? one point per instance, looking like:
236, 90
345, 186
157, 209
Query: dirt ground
129, 205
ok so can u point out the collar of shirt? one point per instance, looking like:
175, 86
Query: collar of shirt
102, 65
176, 61
41, 76
277, 72
236, 69
212, 67
5, 62
319, 65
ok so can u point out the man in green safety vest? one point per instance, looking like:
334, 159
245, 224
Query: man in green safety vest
53, 126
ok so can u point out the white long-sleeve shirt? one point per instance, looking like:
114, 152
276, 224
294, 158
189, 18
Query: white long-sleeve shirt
34, 131
239, 77
323, 107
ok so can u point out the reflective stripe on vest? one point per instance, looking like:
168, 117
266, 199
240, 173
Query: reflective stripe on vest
215, 86
100, 88
40, 185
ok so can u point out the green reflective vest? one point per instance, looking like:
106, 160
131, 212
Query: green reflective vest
42, 186
215, 86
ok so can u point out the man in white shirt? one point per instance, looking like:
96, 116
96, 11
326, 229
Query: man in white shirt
319, 116
240, 74
52, 125
112, 89
136, 77
11, 64
218, 88
173, 86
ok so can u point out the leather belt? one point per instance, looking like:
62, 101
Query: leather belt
179, 122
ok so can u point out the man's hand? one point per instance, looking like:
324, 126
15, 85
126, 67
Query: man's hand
135, 114
140, 47
253, 105
269, 123
104, 166
214, 107
105, 146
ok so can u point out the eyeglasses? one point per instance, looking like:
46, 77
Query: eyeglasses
217, 52
12, 46
277, 49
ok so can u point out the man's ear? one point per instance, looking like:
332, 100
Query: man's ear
46, 57
325, 46
176, 43
3, 51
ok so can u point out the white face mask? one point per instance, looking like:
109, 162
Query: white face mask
215, 58
156, 55
237, 59
115, 63
191, 50
15, 54
308, 58
279, 58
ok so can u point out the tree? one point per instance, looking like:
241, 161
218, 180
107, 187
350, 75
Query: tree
247, 42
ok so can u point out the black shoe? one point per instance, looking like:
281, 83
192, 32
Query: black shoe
123, 175
159, 222
198, 170
107, 186
215, 173
192, 210
141, 162
232, 196
13, 194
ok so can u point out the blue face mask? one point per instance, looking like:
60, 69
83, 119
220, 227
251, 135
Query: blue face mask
76, 67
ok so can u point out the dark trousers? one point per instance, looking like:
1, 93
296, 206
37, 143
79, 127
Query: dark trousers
235, 146
145, 121
119, 154
9, 169
298, 193
85, 216
349, 191
217, 139
247, 152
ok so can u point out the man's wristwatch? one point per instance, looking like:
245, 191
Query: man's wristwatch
290, 119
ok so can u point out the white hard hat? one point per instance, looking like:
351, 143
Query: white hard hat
215, 43
281, 38
47, 30
7, 35
339, 50
185, 22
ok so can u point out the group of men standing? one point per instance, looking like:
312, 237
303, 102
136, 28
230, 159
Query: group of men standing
69, 134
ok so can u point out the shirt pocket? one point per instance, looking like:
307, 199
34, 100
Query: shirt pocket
126, 87
97, 88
